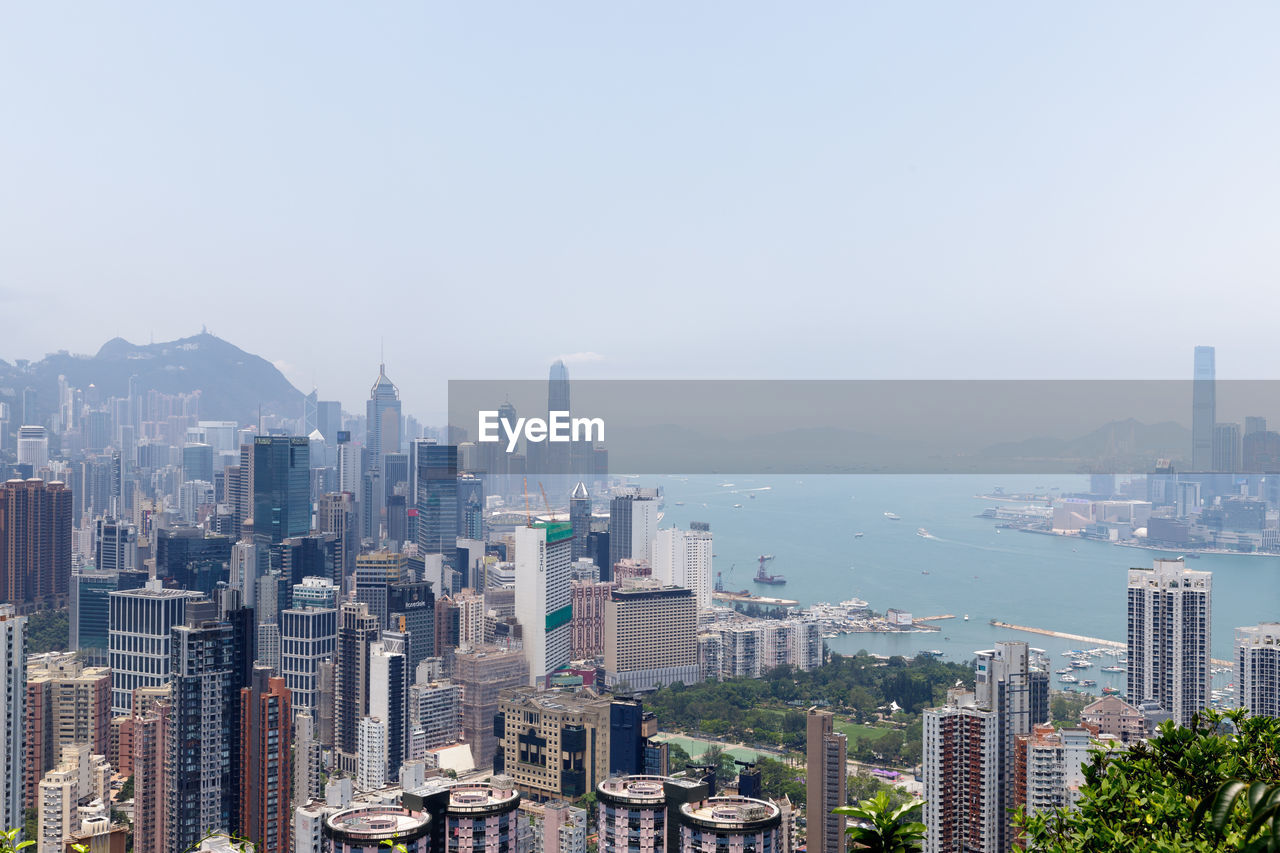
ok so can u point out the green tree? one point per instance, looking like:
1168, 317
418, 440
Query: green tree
1156, 797
9, 841
48, 631
126, 791
879, 827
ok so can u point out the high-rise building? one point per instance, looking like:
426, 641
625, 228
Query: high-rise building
35, 544
470, 817
79, 779
149, 735
633, 524
66, 703
589, 600
544, 605
435, 714
371, 753
1049, 766
564, 829
281, 502
13, 668
580, 519
825, 781
650, 636
389, 680
33, 447
483, 673
1204, 409
374, 828
193, 559
730, 823
1258, 669
382, 419
683, 558
437, 500
115, 545
308, 637
1170, 610
970, 751
265, 763
140, 626
358, 629
553, 744
375, 572
1227, 448
337, 515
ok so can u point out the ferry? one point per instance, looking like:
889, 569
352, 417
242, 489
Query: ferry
737, 506
1068, 679
893, 516
923, 534
857, 535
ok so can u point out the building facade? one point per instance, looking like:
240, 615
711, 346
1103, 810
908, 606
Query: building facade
1170, 622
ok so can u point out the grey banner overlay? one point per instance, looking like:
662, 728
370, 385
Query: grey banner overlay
866, 426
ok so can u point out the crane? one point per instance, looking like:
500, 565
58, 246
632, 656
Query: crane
546, 502
528, 515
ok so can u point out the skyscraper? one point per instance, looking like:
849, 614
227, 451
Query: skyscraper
265, 766
650, 636
382, 419
633, 523
139, 635
1227, 448
308, 637
35, 544
357, 630
13, 668
1170, 610
66, 703
1258, 669
281, 486
825, 782
544, 604
1204, 410
970, 752
389, 680
580, 519
683, 558
437, 501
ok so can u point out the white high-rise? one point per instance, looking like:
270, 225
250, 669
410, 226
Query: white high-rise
371, 763
1258, 669
33, 448
13, 693
683, 558
544, 605
1170, 608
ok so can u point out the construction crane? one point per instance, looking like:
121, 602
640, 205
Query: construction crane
546, 503
528, 515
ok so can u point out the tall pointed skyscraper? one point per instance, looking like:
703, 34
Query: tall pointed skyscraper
1204, 410
382, 418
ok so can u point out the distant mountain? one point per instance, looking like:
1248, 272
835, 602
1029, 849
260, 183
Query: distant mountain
1126, 442
233, 384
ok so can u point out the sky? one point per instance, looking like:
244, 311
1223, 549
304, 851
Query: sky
659, 190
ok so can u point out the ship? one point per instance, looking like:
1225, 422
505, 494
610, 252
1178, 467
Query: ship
764, 577
1068, 679
923, 534
1113, 668
1088, 682
893, 516
1110, 691
857, 535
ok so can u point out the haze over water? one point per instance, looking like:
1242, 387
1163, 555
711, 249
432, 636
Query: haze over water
1057, 583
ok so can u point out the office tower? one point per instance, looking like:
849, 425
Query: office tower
683, 558
650, 635
13, 666
970, 751
1227, 448
382, 420
630, 727
470, 510
197, 462
1170, 617
375, 572
115, 545
79, 778
395, 471
1258, 669
483, 673
435, 714
281, 486
357, 630
265, 762
633, 523
544, 605
1254, 424
192, 558
308, 638
329, 420
266, 619
411, 607
437, 500
364, 828
371, 755
33, 448
825, 781
316, 555
586, 628
337, 516
389, 680
139, 634
555, 745
1204, 410
580, 519
35, 544
66, 703
90, 609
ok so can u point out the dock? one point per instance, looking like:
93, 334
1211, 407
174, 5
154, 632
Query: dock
933, 618
1089, 641
754, 599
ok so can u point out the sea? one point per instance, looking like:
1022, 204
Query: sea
966, 565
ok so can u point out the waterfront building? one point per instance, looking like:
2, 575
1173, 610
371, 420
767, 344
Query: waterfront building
1258, 669
1170, 618
650, 633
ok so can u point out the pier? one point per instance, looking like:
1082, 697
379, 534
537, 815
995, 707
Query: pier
933, 618
1090, 641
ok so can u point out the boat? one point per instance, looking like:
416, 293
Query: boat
923, 534
1066, 671
893, 516
764, 577
924, 571
937, 653
679, 503
1081, 663
966, 617
752, 496
1068, 679
1110, 691
857, 535
737, 506
1113, 668
1088, 682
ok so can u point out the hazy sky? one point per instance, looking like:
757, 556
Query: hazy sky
650, 190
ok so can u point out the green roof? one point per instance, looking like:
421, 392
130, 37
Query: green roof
557, 531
